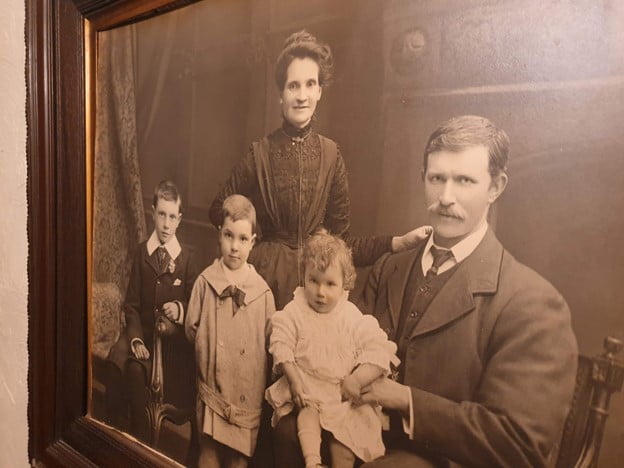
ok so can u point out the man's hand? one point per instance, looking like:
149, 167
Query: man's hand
351, 388
140, 351
387, 393
171, 311
410, 239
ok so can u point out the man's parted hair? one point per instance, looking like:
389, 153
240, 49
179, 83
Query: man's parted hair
322, 250
167, 190
466, 131
238, 207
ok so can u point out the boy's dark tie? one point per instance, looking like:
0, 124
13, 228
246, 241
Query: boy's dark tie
237, 295
162, 258
439, 257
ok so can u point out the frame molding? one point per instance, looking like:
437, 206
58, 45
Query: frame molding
61, 39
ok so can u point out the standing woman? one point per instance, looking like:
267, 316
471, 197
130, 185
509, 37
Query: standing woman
297, 179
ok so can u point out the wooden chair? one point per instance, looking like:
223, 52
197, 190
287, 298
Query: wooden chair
597, 379
159, 410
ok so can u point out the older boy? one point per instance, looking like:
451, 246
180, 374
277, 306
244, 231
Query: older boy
160, 284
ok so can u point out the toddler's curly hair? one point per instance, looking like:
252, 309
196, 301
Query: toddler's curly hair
322, 250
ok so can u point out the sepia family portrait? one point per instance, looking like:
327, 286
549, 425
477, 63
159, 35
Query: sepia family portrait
360, 233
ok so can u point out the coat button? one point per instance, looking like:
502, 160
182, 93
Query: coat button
242, 351
157, 281
413, 314
242, 398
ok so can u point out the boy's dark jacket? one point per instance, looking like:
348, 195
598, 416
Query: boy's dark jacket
148, 289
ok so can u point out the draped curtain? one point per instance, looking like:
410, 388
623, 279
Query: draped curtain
119, 220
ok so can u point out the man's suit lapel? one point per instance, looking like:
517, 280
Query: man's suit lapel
477, 274
397, 282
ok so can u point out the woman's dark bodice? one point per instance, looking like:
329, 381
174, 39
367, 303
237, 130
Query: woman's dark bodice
291, 200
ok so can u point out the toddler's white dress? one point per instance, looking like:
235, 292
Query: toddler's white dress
325, 349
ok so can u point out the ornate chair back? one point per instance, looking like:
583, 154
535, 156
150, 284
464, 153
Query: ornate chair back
597, 379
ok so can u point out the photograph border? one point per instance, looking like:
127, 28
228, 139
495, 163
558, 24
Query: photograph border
61, 40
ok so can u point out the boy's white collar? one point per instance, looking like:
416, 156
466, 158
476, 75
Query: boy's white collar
235, 277
173, 246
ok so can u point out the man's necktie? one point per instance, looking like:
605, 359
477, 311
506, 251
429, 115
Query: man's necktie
237, 295
439, 257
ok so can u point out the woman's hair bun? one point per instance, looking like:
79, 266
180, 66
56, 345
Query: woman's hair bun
299, 37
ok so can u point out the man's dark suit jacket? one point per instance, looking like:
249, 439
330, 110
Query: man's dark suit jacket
492, 362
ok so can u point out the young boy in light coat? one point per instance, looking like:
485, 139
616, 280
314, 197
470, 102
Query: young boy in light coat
228, 320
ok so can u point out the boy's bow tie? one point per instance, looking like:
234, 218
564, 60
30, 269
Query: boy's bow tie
237, 295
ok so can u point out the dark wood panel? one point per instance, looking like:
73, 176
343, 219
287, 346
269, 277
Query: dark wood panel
59, 432
106, 14
57, 267
41, 227
70, 194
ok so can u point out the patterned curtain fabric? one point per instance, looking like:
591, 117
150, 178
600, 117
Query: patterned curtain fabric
119, 219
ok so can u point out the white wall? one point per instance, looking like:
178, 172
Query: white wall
13, 242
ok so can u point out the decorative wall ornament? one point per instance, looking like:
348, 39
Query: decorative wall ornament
407, 49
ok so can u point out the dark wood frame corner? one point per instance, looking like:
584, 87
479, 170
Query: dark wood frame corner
61, 43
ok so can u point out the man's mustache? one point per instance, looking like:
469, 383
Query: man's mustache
453, 211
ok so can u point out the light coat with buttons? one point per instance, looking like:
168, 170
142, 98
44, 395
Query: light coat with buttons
231, 354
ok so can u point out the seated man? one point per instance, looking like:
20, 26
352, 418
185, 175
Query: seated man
488, 354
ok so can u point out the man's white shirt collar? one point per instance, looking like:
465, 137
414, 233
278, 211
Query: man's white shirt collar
460, 250
173, 246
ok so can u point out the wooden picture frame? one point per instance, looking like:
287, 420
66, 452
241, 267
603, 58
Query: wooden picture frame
60, 72
61, 45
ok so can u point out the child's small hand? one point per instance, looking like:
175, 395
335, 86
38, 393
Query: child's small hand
299, 394
351, 388
140, 351
171, 311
